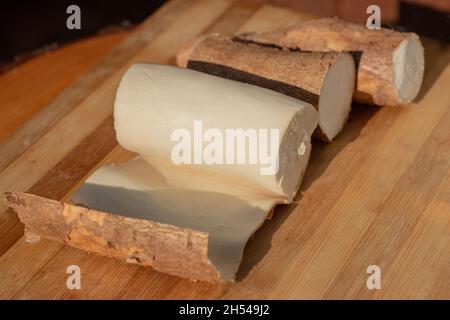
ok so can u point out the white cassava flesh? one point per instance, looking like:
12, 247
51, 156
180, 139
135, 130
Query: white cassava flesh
336, 96
154, 100
187, 220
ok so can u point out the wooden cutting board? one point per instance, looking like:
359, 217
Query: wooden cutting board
379, 195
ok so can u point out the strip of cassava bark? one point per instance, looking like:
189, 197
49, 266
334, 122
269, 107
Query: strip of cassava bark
391, 64
324, 79
166, 248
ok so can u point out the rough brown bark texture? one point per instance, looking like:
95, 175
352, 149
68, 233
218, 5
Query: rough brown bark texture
296, 74
170, 249
372, 49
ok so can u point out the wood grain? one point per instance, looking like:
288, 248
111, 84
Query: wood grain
88, 114
380, 194
54, 71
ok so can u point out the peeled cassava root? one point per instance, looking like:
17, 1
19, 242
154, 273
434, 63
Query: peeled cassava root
324, 79
155, 100
390, 64
190, 220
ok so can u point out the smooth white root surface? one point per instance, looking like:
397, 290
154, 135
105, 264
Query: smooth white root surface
154, 100
336, 96
230, 202
408, 61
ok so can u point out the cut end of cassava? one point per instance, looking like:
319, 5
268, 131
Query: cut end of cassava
408, 62
336, 96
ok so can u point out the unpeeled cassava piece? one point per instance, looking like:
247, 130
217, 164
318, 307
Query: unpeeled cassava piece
390, 64
324, 79
190, 220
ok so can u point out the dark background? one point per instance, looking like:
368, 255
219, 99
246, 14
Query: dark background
29, 27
